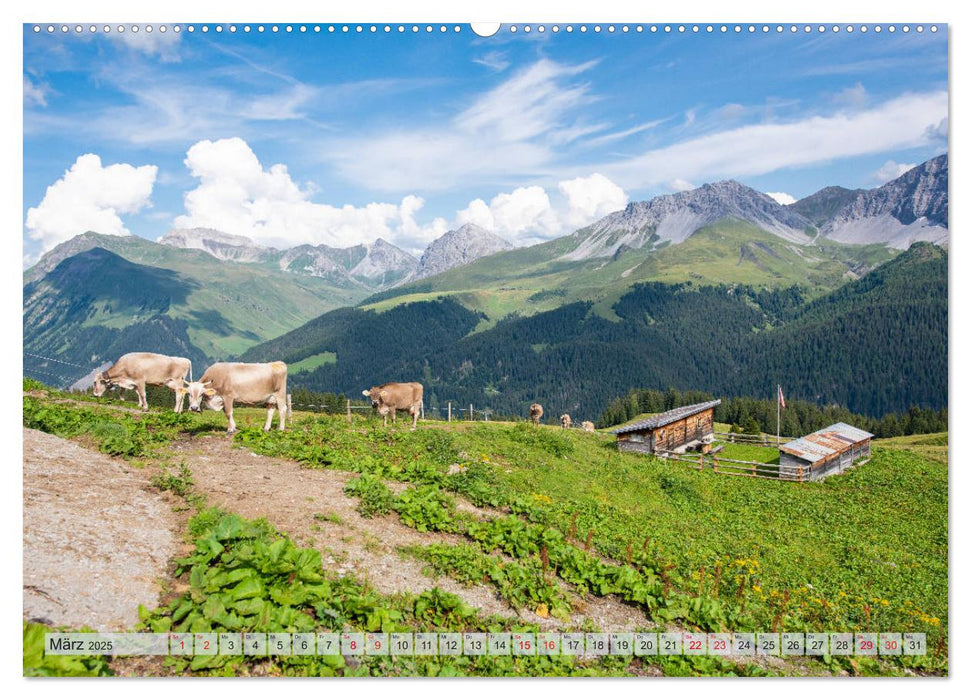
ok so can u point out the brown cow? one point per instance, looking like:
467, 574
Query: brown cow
226, 383
136, 369
566, 421
535, 413
396, 396
587, 426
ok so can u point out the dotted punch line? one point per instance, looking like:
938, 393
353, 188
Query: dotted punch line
512, 28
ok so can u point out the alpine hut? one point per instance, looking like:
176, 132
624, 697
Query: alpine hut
828, 451
672, 431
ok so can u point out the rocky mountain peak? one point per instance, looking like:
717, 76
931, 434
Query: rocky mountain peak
459, 247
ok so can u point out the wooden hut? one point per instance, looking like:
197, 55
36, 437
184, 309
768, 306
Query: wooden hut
672, 431
828, 451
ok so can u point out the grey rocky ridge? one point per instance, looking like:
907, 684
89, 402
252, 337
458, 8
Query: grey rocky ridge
378, 265
459, 247
910, 208
674, 217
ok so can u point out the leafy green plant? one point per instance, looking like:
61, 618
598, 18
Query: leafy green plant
37, 663
375, 497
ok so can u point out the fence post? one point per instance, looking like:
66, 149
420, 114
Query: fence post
348, 411
714, 463
422, 410
449, 411
701, 461
289, 406
471, 413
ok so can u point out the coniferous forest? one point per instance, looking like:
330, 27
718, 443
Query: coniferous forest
875, 346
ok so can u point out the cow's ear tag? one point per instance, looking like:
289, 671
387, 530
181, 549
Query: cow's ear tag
210, 392
179, 390
384, 393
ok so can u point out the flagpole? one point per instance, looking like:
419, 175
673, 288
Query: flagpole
778, 414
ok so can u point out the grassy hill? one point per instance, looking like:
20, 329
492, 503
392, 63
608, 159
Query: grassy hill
119, 293
534, 279
554, 519
873, 346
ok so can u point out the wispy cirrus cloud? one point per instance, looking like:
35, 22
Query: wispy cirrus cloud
904, 122
511, 130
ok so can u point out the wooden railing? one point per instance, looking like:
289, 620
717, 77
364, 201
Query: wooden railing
763, 439
739, 467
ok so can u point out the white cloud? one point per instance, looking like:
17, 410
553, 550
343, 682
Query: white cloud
90, 197
679, 185
590, 198
495, 60
904, 122
237, 195
513, 129
527, 215
165, 45
34, 94
854, 97
782, 197
891, 170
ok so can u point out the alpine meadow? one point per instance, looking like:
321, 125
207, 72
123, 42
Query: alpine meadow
526, 350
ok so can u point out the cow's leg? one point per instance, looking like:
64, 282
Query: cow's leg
385, 420
228, 410
142, 401
414, 417
281, 404
270, 407
179, 397
393, 421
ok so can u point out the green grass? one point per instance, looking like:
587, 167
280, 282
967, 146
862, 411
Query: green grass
864, 550
532, 280
931, 446
749, 453
312, 362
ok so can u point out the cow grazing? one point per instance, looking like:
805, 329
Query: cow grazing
136, 369
395, 396
227, 383
566, 421
535, 413
587, 426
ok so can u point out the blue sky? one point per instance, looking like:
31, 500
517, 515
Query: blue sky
341, 138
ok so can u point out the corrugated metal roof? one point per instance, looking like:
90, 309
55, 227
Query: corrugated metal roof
662, 419
825, 443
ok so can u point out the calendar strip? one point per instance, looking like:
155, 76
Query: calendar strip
492, 644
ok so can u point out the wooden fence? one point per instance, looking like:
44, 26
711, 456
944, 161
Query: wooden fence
762, 439
739, 467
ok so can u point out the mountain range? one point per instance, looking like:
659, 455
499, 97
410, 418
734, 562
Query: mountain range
213, 295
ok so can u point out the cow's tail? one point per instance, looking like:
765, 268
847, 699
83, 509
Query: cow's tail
190, 371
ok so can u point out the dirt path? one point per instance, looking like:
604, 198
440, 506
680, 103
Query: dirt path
97, 538
310, 506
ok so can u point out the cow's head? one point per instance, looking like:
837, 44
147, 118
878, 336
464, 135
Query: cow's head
197, 391
101, 384
374, 393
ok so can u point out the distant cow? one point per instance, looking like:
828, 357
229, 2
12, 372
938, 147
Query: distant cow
535, 413
566, 421
587, 426
396, 396
227, 383
136, 369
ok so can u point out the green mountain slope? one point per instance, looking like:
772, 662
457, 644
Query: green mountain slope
729, 251
849, 346
89, 301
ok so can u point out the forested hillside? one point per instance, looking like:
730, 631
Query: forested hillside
876, 345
